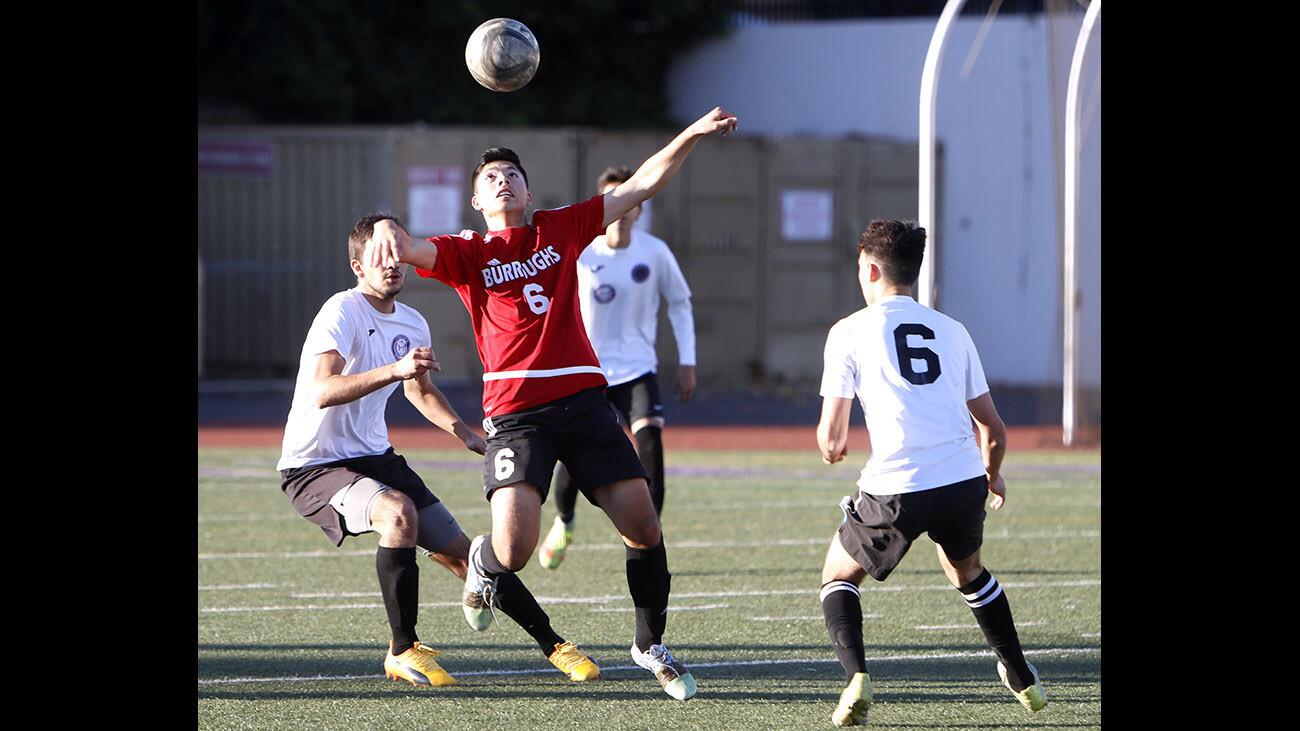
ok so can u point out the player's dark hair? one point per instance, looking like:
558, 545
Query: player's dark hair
363, 229
613, 174
898, 246
497, 154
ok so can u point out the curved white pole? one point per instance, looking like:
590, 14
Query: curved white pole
1069, 414
926, 174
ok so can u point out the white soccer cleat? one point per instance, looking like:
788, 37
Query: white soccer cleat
480, 591
675, 679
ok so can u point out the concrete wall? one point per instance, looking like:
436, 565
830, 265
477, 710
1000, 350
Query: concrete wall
276, 205
1000, 120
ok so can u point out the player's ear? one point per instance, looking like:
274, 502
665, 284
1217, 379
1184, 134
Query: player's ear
473, 203
356, 269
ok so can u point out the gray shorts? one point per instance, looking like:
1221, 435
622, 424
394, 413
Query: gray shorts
437, 526
313, 491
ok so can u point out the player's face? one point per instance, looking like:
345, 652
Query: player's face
382, 282
500, 187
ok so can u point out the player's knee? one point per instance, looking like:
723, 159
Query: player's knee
393, 513
644, 533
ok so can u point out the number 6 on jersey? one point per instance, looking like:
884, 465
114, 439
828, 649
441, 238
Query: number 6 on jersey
537, 302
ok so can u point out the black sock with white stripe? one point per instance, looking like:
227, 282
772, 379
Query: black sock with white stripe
842, 608
992, 611
648, 581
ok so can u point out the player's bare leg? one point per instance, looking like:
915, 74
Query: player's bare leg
628, 505
453, 555
989, 604
842, 610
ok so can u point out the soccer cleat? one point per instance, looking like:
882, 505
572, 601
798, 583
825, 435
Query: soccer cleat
675, 679
855, 701
417, 666
1034, 697
480, 591
570, 660
556, 543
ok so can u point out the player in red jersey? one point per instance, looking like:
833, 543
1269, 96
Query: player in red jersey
542, 382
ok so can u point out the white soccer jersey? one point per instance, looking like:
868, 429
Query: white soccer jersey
367, 339
913, 370
619, 290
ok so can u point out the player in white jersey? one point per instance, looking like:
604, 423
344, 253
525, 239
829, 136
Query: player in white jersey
920, 382
341, 473
623, 277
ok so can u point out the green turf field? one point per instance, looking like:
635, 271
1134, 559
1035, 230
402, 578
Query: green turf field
292, 631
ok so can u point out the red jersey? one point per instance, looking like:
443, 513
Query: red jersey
520, 286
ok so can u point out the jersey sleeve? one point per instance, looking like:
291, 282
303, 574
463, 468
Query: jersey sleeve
839, 371
571, 228
452, 267
976, 385
331, 330
673, 288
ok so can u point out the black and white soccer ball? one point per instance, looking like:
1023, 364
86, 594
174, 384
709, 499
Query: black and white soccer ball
502, 54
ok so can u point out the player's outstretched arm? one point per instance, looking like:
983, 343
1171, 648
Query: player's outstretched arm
993, 444
430, 401
833, 429
390, 244
333, 388
656, 171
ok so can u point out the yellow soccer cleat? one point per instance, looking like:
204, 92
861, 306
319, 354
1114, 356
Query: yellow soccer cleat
1034, 697
417, 666
855, 702
570, 660
556, 543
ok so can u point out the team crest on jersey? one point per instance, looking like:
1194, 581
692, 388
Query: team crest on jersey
401, 346
604, 294
640, 273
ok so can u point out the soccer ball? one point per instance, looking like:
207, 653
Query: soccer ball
502, 54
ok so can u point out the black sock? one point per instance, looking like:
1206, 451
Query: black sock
520, 605
491, 566
648, 581
565, 492
399, 583
992, 611
842, 608
650, 448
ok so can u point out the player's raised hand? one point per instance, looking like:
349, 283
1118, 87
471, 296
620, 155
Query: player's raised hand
718, 119
389, 245
999, 489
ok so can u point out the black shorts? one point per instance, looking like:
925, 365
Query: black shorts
310, 488
878, 529
581, 430
637, 399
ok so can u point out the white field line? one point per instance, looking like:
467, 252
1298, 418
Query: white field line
1091, 634
693, 665
233, 587
612, 598
802, 618
701, 607
969, 626
784, 542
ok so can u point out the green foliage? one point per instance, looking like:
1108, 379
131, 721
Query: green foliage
344, 61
